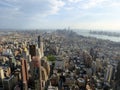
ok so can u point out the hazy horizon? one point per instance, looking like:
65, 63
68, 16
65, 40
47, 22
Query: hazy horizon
53, 29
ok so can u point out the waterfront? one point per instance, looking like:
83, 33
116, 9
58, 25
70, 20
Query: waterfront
105, 37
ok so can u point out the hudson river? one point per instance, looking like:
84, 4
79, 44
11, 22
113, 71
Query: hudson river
105, 37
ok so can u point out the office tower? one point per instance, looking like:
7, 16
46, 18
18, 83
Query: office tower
44, 74
46, 65
36, 72
38, 53
56, 49
87, 58
29, 58
12, 63
24, 73
117, 75
92, 52
1, 73
108, 74
39, 40
25, 52
9, 83
40, 45
94, 66
1, 76
98, 64
32, 50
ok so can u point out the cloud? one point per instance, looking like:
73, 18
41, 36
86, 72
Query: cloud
74, 1
88, 4
5, 4
17, 12
56, 5
69, 8
45, 7
31, 7
92, 3
114, 4
99, 4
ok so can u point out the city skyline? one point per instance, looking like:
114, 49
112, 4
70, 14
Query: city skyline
53, 14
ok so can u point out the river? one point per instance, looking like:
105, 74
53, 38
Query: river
105, 37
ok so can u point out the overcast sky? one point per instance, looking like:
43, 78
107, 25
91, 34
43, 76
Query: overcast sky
80, 14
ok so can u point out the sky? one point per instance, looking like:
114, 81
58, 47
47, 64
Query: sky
54, 14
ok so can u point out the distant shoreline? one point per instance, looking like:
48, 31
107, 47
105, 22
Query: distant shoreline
87, 33
115, 34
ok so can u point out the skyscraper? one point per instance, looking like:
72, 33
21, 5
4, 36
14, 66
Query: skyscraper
1, 76
9, 83
39, 40
40, 45
32, 50
24, 73
109, 72
36, 72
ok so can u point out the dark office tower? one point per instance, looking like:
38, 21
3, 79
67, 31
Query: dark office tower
117, 77
39, 40
9, 83
12, 63
24, 73
40, 45
32, 50
92, 52
118, 72
26, 69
